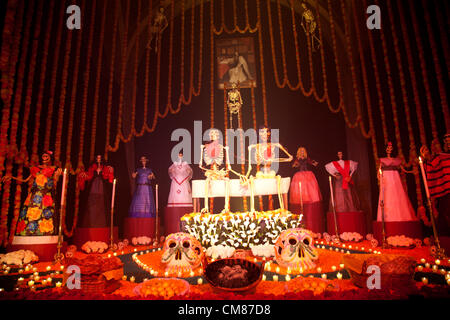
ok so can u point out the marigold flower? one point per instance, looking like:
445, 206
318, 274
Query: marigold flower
46, 226
34, 213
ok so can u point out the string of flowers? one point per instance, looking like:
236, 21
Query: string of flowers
119, 134
169, 73
182, 98
364, 132
111, 80
423, 68
76, 69
437, 68
412, 146
37, 118
62, 98
378, 84
338, 72
96, 94
22, 155
14, 126
444, 40
135, 72
10, 57
261, 61
11, 36
51, 101
200, 59
247, 24
365, 83
274, 59
212, 30
146, 81
158, 84
413, 76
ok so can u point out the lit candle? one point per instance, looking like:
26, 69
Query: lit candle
124, 278
275, 278
424, 177
156, 199
333, 268
424, 280
200, 281
113, 193
339, 275
341, 266
30, 283
427, 265
63, 193
288, 278
301, 195
44, 282
419, 268
324, 276
49, 280
20, 271
438, 262
277, 270
58, 284
264, 277
288, 270
49, 268
132, 279
191, 274
62, 267
423, 260
319, 269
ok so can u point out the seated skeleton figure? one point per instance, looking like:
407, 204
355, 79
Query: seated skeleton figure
265, 155
214, 154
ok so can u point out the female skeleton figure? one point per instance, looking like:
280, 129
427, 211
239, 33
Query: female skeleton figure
213, 156
265, 155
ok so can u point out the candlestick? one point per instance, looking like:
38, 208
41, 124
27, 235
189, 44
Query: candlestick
156, 213
383, 231
334, 208
113, 193
63, 192
440, 252
301, 196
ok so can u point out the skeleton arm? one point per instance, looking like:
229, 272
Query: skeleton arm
228, 165
249, 160
202, 147
289, 159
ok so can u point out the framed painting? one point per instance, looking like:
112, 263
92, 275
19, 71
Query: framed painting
236, 62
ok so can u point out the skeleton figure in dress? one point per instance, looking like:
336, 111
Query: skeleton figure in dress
159, 24
234, 102
309, 26
214, 154
265, 155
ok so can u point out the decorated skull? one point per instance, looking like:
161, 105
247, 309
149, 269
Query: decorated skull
294, 249
181, 253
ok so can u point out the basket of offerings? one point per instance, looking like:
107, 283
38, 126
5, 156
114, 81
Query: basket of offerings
396, 270
95, 272
164, 288
233, 275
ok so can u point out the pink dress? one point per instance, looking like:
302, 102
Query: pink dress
397, 206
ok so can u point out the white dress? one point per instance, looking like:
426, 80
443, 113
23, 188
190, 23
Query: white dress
180, 194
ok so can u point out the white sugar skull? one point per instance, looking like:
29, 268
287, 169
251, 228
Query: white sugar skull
294, 249
181, 253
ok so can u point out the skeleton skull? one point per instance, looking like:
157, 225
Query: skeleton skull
294, 249
181, 253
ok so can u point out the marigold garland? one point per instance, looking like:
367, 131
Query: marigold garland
75, 72
423, 68
53, 79
96, 93
111, 79
437, 68
13, 131
37, 119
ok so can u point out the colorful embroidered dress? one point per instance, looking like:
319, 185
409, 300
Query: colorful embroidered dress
37, 217
143, 203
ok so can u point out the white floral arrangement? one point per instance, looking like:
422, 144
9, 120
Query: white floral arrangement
400, 241
351, 236
263, 250
94, 247
145, 241
220, 252
241, 229
18, 258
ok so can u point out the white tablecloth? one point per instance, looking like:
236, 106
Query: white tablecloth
217, 188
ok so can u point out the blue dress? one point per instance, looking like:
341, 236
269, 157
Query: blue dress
143, 203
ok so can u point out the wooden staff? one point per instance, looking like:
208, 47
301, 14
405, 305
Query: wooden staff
334, 209
156, 213
301, 196
383, 230
440, 251
58, 255
111, 245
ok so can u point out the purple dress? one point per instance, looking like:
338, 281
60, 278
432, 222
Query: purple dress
143, 203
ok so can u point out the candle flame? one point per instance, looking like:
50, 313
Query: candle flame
420, 159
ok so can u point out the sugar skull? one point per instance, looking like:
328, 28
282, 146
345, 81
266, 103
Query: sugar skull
181, 253
294, 249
